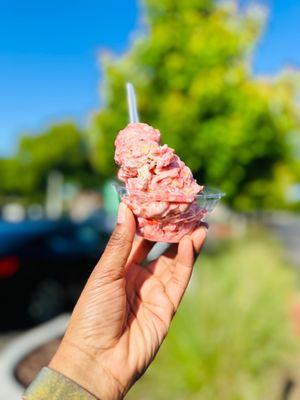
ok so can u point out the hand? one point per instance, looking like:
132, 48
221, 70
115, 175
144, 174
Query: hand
124, 311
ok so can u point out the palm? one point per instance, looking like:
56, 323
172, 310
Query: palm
150, 303
149, 314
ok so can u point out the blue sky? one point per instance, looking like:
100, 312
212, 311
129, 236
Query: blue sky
48, 56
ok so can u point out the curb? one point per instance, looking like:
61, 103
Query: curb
20, 347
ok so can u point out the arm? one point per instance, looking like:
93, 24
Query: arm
124, 311
50, 384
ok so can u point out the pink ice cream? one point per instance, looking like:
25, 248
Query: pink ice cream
161, 188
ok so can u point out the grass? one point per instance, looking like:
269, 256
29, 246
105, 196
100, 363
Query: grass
232, 336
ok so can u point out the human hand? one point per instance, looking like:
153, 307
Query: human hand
124, 311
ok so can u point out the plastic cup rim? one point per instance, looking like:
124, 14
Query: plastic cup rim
208, 192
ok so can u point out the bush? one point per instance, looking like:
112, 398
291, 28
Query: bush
232, 334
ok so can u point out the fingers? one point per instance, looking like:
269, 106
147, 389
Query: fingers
178, 282
117, 251
198, 237
141, 248
183, 266
165, 265
171, 251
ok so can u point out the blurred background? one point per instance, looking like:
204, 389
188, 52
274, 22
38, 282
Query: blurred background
220, 80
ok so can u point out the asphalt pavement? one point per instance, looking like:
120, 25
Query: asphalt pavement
286, 227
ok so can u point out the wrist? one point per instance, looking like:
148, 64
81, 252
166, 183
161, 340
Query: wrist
86, 371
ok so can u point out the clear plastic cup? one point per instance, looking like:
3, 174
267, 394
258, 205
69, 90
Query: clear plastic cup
167, 217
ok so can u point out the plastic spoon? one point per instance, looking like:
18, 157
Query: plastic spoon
131, 101
159, 248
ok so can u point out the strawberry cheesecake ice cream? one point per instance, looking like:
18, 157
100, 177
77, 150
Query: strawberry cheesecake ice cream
160, 188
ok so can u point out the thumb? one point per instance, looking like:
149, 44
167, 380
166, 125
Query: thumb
111, 264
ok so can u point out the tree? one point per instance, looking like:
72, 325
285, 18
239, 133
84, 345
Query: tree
192, 72
60, 147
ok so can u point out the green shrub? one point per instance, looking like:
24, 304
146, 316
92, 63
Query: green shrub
232, 334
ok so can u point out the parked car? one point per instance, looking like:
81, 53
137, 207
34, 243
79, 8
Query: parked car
43, 267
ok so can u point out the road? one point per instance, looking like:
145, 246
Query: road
287, 227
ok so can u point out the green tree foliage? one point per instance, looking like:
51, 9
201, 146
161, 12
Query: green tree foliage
191, 69
61, 147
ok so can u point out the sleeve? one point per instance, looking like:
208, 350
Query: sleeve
51, 385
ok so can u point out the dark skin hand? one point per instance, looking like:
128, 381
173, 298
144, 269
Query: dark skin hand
125, 311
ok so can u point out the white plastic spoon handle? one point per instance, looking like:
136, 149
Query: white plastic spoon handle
131, 101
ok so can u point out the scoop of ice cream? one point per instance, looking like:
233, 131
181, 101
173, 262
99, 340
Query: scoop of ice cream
134, 145
161, 187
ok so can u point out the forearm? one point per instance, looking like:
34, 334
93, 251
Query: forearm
51, 385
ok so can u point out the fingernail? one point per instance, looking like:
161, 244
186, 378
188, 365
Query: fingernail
121, 213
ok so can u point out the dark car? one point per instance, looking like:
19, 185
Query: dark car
43, 267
